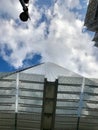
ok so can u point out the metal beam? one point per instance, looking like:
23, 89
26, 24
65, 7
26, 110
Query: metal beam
80, 103
15, 121
49, 105
78, 121
23, 4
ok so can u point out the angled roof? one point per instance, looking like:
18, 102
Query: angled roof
51, 71
3, 74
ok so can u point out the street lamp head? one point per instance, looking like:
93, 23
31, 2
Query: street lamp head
24, 16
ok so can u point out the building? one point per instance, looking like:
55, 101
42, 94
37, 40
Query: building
91, 19
48, 97
95, 39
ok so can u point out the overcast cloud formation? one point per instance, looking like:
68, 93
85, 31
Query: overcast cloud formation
55, 32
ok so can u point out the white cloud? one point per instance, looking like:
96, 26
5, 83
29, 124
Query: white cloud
10, 8
65, 45
71, 3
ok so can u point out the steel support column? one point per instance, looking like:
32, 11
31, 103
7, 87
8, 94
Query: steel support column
78, 121
49, 105
16, 102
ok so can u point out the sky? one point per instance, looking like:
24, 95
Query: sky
55, 33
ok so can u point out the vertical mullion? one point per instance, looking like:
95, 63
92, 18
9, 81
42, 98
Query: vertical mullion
80, 102
16, 102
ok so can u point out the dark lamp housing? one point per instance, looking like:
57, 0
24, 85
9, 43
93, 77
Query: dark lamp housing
24, 16
26, 1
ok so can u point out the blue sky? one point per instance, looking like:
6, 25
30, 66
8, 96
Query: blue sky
55, 33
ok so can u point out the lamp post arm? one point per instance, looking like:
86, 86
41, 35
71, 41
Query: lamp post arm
23, 5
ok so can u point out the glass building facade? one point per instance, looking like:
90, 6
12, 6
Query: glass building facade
91, 19
31, 102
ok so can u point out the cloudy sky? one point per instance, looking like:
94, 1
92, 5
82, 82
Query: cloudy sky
55, 34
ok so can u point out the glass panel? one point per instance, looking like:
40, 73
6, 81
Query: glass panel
91, 89
28, 109
66, 112
64, 119
7, 84
29, 116
93, 82
68, 96
7, 92
70, 80
28, 101
7, 108
90, 112
30, 94
69, 88
6, 100
11, 77
31, 77
36, 86
66, 104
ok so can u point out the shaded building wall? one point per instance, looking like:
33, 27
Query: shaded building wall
30, 102
92, 15
91, 19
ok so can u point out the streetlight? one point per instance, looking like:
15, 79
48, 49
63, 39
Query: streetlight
24, 16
